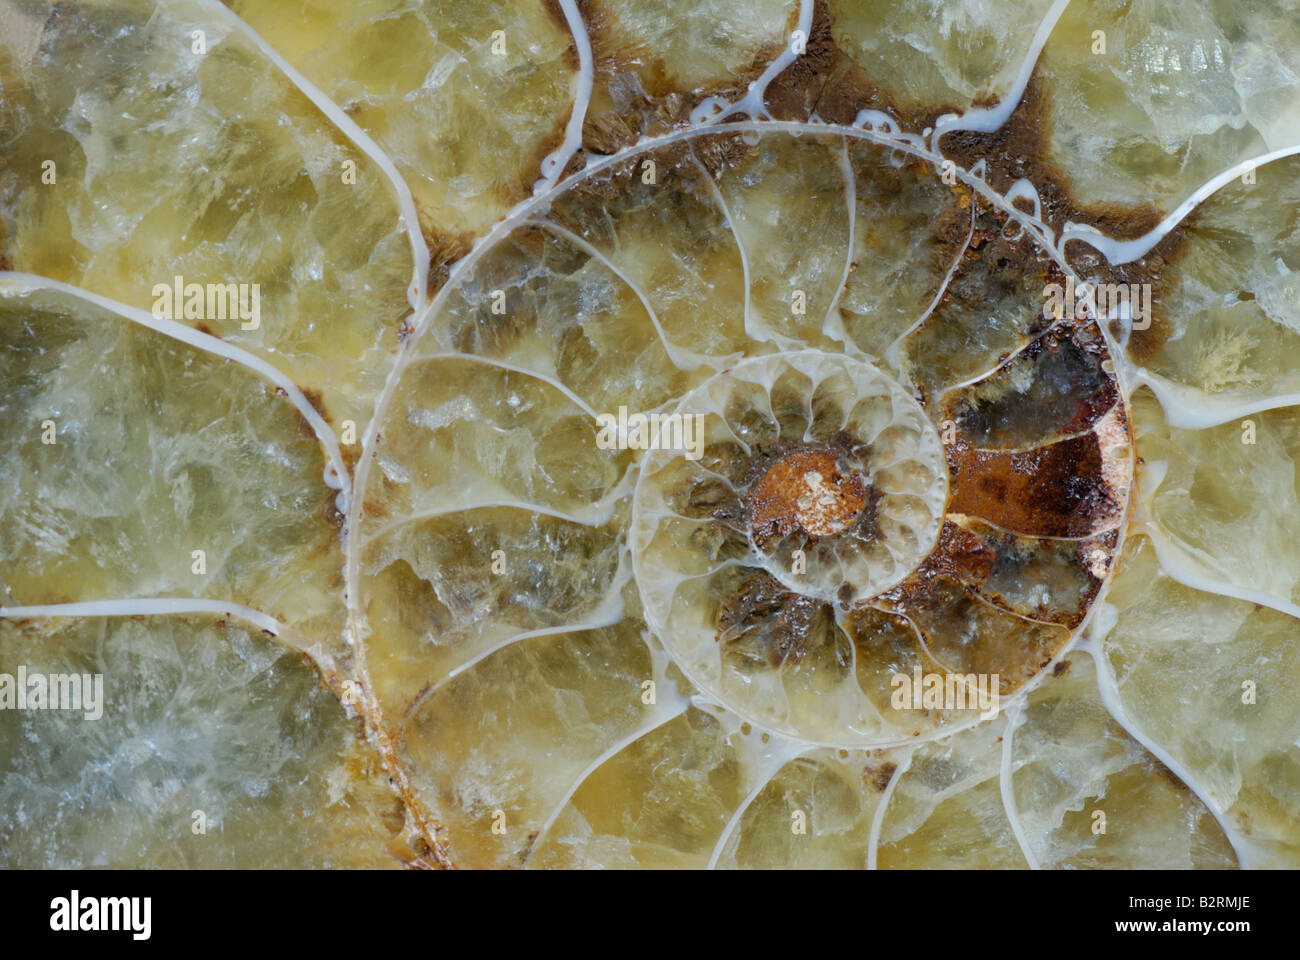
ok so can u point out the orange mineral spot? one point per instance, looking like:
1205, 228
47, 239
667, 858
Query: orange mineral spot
805, 490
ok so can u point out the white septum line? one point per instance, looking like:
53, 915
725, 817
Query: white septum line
553, 166
878, 816
715, 109
599, 623
768, 768
988, 119
147, 606
1117, 252
748, 322
600, 514
1191, 409
336, 474
1014, 717
891, 353
1176, 565
1125, 251
833, 322
417, 293
1109, 690
661, 716
681, 358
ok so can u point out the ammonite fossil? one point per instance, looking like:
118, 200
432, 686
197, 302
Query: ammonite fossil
832, 433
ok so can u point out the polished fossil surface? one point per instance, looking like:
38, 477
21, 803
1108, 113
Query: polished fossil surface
804, 433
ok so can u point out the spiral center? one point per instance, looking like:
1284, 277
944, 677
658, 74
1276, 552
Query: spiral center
806, 491
821, 484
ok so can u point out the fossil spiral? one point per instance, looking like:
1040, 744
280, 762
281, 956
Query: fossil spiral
531, 434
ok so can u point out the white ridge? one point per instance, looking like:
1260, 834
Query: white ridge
670, 711
576, 400
715, 109
554, 164
878, 816
833, 324
417, 292
145, 606
748, 318
1247, 852
609, 613
1125, 251
336, 474
1175, 564
988, 119
1188, 408
768, 767
681, 357
599, 514
892, 354
1015, 717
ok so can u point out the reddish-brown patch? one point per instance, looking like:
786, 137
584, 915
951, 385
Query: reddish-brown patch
794, 93
880, 776
826, 81
1092, 408
305, 430
1089, 406
329, 513
805, 491
1168, 775
351, 453
607, 133
317, 401
1053, 491
960, 554
970, 559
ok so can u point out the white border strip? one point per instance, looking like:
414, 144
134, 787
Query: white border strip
878, 815
716, 109
147, 606
554, 165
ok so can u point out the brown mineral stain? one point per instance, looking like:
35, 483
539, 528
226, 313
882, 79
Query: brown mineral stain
1092, 392
960, 554
1054, 491
444, 250
590, 15
880, 776
795, 92
1022, 148
805, 491
317, 401
607, 133
329, 514
1169, 776
305, 430
761, 608
970, 558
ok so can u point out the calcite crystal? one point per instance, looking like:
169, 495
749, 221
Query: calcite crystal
972, 540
